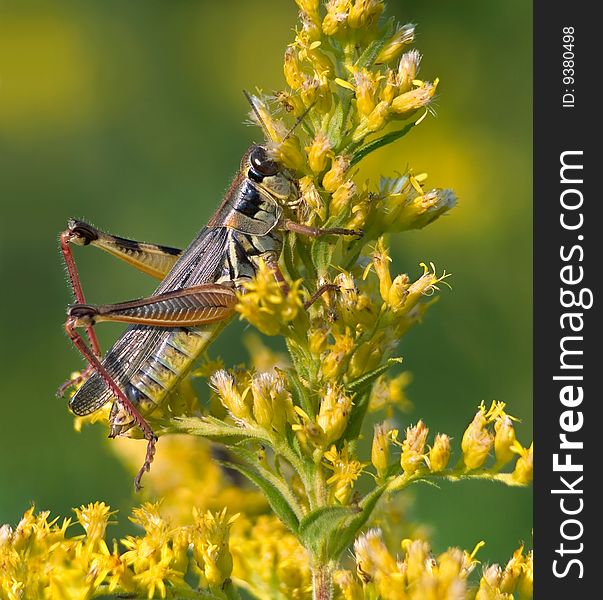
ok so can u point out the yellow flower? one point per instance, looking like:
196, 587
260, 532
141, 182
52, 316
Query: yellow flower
363, 13
410, 101
294, 75
239, 405
272, 403
404, 35
407, 70
389, 392
334, 362
365, 85
335, 176
413, 448
341, 199
269, 559
346, 471
318, 152
350, 587
380, 449
504, 440
210, 545
265, 305
524, 467
336, 17
311, 197
439, 454
477, 441
157, 573
94, 518
334, 412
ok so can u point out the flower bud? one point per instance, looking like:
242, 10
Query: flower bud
408, 70
336, 18
380, 449
504, 440
294, 76
476, 442
334, 362
364, 13
341, 198
414, 99
334, 413
439, 454
378, 117
394, 46
224, 384
365, 88
413, 447
335, 176
524, 467
318, 152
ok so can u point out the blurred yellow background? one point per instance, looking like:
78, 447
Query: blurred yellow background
130, 115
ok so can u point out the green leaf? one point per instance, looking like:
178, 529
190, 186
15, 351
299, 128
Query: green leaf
299, 360
251, 461
359, 408
368, 378
322, 253
352, 526
384, 140
336, 125
277, 502
361, 387
300, 395
318, 529
368, 57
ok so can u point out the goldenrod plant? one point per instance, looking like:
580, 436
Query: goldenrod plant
314, 525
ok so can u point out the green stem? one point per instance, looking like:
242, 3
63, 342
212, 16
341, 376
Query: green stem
322, 581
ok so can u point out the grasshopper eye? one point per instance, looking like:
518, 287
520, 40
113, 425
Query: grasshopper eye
261, 165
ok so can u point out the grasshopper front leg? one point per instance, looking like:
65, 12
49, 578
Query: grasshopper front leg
314, 232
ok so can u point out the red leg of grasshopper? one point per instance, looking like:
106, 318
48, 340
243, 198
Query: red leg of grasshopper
74, 277
75, 381
95, 363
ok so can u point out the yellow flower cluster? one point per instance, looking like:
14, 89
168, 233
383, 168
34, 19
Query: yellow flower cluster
420, 575
292, 426
269, 561
349, 78
39, 560
265, 305
260, 401
493, 427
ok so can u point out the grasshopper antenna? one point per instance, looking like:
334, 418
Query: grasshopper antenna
257, 114
262, 123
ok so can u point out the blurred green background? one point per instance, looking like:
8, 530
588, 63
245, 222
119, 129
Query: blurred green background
129, 115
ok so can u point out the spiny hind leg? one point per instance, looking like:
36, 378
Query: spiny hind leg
126, 404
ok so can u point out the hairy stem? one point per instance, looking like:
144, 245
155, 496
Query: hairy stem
322, 581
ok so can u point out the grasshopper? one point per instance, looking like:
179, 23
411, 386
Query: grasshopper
169, 329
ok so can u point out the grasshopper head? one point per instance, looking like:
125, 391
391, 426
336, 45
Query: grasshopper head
269, 175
